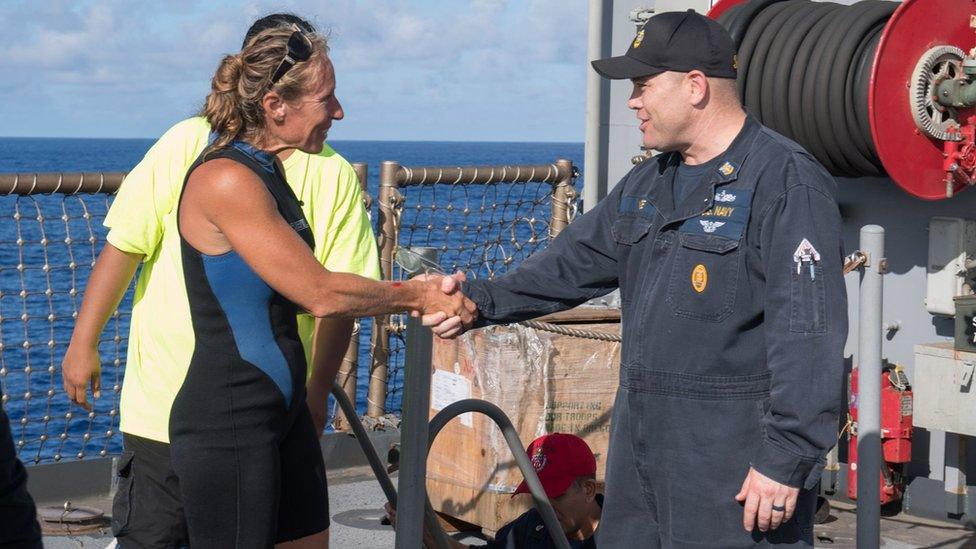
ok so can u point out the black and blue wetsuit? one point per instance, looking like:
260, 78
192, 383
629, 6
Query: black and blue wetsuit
242, 441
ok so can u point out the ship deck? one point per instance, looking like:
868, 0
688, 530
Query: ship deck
356, 502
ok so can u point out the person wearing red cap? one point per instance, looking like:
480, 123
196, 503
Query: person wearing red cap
567, 470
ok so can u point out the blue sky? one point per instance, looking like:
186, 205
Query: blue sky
453, 70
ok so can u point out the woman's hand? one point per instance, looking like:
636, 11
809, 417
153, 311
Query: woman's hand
82, 366
444, 305
443, 325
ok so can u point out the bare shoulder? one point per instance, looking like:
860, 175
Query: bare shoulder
227, 182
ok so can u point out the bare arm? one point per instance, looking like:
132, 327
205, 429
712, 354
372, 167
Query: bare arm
240, 213
110, 278
329, 343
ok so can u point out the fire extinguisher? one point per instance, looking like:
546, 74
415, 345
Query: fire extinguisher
896, 434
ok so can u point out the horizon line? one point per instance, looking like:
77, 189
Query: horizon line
327, 141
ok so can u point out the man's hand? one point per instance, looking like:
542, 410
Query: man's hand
444, 325
767, 502
81, 366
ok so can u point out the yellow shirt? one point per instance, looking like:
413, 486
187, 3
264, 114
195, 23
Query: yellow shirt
142, 220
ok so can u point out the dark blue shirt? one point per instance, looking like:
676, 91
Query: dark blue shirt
687, 178
528, 531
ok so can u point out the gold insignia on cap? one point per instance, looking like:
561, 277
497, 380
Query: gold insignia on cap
699, 278
638, 39
726, 169
735, 61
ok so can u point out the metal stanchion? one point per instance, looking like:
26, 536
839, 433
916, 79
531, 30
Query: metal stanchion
388, 198
412, 486
869, 390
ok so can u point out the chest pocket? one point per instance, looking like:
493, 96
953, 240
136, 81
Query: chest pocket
704, 277
634, 220
630, 229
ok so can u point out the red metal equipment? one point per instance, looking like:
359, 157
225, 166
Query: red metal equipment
927, 148
913, 159
896, 434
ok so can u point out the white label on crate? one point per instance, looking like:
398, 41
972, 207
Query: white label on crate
447, 388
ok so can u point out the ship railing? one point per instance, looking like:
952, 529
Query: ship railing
482, 220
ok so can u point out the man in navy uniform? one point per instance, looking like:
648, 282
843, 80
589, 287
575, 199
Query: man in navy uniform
726, 248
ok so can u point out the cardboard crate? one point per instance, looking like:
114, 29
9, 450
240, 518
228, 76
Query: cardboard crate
544, 382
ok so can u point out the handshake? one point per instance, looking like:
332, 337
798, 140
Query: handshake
446, 310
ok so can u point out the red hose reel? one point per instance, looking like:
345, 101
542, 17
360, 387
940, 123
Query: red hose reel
928, 149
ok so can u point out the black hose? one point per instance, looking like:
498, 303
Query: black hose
781, 61
804, 71
802, 87
849, 56
862, 87
755, 49
743, 17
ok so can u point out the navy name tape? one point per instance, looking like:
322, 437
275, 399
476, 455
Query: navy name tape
727, 217
637, 205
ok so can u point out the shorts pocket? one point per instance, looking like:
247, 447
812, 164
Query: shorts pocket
704, 277
122, 504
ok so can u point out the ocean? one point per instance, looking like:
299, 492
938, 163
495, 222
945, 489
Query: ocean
45, 427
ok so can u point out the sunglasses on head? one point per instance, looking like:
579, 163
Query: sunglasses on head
299, 49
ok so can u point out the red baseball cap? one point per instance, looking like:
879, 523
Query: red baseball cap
559, 459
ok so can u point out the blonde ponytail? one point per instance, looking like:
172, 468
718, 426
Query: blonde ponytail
223, 106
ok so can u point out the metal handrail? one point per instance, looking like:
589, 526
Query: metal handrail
367, 446
64, 183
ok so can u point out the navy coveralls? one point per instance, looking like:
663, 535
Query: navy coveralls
732, 342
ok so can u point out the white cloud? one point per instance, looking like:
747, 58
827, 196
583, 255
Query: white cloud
446, 62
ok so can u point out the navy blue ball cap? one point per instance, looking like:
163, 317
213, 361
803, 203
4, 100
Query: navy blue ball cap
674, 41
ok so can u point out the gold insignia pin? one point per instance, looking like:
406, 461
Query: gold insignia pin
639, 39
641, 203
726, 169
699, 278
735, 61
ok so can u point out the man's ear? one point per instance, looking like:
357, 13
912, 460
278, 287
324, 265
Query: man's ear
274, 106
589, 488
698, 83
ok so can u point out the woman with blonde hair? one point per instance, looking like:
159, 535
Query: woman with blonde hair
143, 235
240, 415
